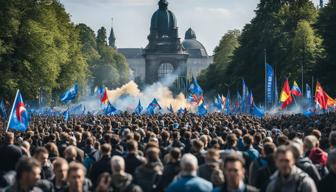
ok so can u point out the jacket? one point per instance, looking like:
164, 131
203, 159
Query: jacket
297, 181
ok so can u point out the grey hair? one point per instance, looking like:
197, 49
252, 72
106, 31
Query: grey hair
189, 165
117, 164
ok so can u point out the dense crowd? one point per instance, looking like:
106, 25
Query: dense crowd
187, 153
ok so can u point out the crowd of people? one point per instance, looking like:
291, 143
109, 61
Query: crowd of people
172, 153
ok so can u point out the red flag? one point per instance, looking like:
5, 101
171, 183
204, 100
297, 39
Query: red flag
322, 98
286, 97
104, 98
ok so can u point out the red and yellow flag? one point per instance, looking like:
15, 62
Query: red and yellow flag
322, 98
286, 97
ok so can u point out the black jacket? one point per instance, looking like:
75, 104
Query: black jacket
169, 173
10, 156
328, 183
99, 167
132, 161
307, 166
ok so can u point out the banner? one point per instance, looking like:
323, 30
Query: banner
269, 84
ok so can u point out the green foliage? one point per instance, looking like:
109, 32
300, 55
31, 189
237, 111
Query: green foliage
212, 78
327, 29
107, 66
286, 30
40, 49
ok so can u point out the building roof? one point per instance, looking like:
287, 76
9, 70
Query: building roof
132, 52
193, 47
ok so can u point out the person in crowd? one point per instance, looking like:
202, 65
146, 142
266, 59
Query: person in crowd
120, 180
42, 155
264, 173
132, 158
171, 169
10, 153
101, 166
28, 173
332, 140
212, 161
188, 181
76, 179
328, 183
288, 177
304, 163
61, 168
147, 175
234, 173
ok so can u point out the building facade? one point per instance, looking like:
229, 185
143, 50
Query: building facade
165, 53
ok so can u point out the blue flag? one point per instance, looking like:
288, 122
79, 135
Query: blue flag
218, 103
250, 101
152, 106
3, 111
228, 104
194, 87
139, 108
182, 111
308, 113
110, 109
202, 110
269, 83
66, 115
195, 92
258, 112
77, 109
19, 118
170, 109
70, 94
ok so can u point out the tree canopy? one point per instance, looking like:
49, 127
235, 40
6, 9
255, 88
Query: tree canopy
287, 30
43, 52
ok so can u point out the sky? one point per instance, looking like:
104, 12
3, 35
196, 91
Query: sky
210, 19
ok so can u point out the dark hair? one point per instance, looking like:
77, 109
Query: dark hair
9, 137
40, 150
269, 148
332, 138
248, 140
132, 145
106, 148
234, 157
25, 164
283, 149
175, 153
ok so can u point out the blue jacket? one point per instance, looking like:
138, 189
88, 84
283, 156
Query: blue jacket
190, 184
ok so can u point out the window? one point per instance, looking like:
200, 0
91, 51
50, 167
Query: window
165, 69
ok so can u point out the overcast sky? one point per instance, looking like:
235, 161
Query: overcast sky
210, 19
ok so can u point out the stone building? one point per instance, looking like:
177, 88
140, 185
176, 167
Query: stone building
165, 53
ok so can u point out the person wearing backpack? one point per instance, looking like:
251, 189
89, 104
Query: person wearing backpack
288, 177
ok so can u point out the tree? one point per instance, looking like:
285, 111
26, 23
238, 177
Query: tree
274, 29
107, 66
101, 37
212, 78
327, 29
40, 49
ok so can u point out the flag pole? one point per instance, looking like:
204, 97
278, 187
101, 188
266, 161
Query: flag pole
10, 115
265, 78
